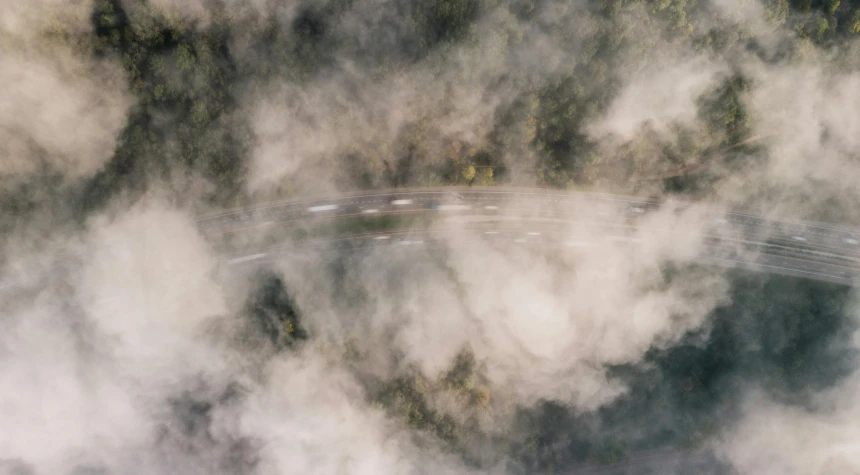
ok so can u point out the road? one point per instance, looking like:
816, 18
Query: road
816, 251
530, 217
537, 218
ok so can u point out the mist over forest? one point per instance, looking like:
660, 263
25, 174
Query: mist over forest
130, 350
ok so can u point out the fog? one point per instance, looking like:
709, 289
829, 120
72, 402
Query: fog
130, 346
62, 110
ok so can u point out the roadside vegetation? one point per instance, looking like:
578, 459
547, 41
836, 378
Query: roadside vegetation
188, 120
190, 134
188, 83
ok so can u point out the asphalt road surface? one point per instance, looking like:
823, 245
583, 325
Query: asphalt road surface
529, 217
816, 251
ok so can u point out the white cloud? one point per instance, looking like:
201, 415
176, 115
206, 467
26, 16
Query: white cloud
659, 95
62, 108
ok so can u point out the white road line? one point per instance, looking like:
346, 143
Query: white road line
252, 257
316, 209
753, 263
453, 207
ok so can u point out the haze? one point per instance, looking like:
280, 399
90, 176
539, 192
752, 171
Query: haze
128, 346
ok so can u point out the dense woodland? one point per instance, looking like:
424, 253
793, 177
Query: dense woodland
188, 121
188, 82
785, 334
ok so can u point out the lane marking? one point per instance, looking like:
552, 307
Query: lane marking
252, 257
317, 209
755, 264
824, 228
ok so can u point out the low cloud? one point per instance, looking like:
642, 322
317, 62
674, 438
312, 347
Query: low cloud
127, 373
648, 101
812, 111
63, 110
139, 353
773, 438
546, 325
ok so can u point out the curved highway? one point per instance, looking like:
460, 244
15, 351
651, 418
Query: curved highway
816, 251
811, 250
531, 217
528, 217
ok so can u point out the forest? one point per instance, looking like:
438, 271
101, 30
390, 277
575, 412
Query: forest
232, 103
189, 86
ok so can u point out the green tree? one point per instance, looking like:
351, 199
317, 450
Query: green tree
469, 173
855, 22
